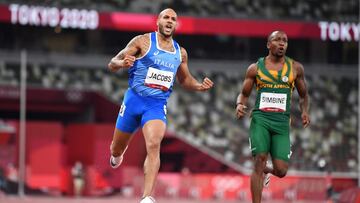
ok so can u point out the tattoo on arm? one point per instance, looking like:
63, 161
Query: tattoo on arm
184, 55
132, 48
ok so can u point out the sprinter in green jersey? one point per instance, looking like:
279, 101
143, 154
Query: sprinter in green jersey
275, 77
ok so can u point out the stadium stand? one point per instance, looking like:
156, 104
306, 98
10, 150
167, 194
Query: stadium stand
274, 9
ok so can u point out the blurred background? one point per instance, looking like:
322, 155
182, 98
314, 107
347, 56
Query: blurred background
59, 103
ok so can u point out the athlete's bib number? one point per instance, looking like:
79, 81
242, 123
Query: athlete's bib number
273, 102
159, 79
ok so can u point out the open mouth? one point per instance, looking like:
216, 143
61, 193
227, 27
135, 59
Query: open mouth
168, 28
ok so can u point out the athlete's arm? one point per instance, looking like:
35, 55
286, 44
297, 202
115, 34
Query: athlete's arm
185, 78
303, 94
126, 57
248, 84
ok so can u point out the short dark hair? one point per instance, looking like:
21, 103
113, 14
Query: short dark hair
273, 33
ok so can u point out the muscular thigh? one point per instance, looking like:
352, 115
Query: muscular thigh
154, 111
154, 131
280, 141
259, 136
130, 113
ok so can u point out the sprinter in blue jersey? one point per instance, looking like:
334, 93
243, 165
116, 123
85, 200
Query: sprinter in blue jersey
153, 61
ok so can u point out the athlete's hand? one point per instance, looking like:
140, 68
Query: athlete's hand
241, 110
206, 84
305, 119
128, 61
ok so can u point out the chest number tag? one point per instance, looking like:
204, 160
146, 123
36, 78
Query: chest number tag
159, 79
272, 102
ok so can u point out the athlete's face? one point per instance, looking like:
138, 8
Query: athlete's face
277, 43
167, 22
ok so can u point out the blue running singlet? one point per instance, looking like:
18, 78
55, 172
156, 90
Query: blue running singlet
151, 79
153, 75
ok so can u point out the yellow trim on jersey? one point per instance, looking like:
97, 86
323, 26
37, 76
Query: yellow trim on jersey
274, 73
264, 77
291, 78
284, 69
291, 74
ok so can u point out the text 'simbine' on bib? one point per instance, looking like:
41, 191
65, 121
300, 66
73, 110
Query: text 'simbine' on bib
159, 79
274, 102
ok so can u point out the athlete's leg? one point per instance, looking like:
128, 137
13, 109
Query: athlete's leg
267, 172
268, 169
260, 145
280, 149
119, 142
280, 168
127, 122
154, 131
257, 177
